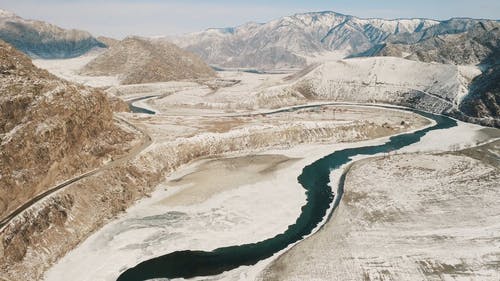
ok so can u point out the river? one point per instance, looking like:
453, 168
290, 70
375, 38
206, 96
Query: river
137, 109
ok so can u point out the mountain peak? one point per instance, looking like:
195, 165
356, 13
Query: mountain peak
7, 14
322, 13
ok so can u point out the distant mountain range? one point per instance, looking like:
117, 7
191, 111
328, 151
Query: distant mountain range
457, 41
290, 39
39, 39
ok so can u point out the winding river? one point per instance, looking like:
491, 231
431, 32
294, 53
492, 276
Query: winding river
315, 179
137, 109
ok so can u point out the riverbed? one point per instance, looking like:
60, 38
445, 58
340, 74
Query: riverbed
231, 216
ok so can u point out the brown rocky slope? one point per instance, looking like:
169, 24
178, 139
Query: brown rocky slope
479, 45
50, 130
138, 60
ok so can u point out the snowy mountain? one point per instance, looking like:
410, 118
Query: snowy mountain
432, 87
39, 39
479, 44
285, 42
451, 26
469, 45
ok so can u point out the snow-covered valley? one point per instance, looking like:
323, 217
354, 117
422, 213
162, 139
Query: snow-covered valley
220, 163
184, 130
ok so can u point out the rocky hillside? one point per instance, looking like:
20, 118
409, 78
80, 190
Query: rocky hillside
108, 41
138, 60
50, 130
39, 39
474, 45
482, 104
291, 38
479, 45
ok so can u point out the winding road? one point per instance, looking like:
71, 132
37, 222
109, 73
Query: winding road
145, 142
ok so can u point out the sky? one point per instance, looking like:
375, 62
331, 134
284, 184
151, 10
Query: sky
118, 19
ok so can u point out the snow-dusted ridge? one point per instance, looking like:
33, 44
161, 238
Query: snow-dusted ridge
40, 39
293, 37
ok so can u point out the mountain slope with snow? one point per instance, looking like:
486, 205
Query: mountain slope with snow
290, 39
472, 46
50, 130
39, 39
478, 45
432, 87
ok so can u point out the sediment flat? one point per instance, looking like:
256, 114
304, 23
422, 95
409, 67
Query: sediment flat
214, 176
408, 217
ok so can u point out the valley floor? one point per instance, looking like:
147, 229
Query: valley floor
220, 171
220, 202
226, 201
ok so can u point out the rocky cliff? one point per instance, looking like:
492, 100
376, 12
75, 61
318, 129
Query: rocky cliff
482, 104
138, 60
50, 130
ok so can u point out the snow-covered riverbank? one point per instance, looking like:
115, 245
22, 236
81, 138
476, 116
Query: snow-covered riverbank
236, 215
407, 216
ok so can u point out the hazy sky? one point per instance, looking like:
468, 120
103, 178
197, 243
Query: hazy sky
168, 17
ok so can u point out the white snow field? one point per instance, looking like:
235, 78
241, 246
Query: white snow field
69, 69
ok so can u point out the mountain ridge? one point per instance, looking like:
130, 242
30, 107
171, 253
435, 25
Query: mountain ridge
296, 37
293, 38
40, 39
